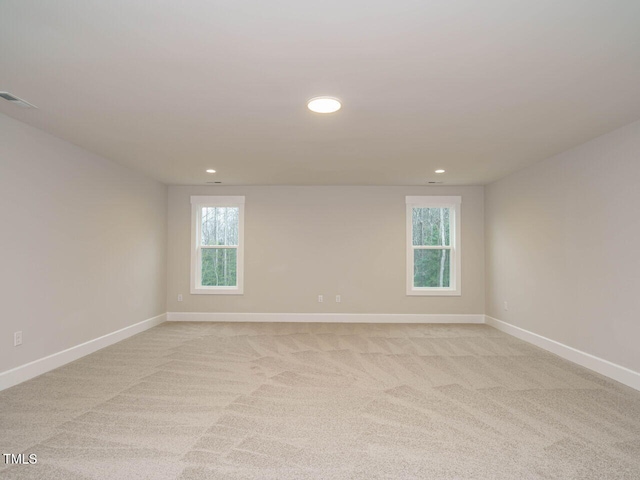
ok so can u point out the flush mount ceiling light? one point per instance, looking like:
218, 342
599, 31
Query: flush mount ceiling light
16, 101
324, 104
440, 170
211, 170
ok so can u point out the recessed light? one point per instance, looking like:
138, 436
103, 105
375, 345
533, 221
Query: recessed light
211, 170
324, 104
440, 170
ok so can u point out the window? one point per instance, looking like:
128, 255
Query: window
433, 245
217, 245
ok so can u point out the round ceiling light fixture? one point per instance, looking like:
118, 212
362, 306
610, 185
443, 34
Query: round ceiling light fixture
440, 170
324, 104
211, 170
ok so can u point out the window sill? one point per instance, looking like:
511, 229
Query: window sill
434, 292
217, 291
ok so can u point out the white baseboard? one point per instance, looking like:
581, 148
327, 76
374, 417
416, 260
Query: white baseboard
322, 317
30, 370
604, 367
25, 372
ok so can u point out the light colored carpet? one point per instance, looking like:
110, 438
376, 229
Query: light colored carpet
321, 401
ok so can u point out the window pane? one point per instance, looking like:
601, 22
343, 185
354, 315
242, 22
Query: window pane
219, 267
220, 225
431, 268
431, 226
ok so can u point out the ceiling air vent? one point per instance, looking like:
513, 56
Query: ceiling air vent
16, 101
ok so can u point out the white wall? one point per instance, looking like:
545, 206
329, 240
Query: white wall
82, 245
305, 241
562, 247
83, 248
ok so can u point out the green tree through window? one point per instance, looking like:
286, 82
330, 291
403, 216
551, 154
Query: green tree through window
219, 229
431, 228
433, 245
217, 246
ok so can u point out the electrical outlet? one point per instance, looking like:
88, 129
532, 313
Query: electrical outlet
506, 305
17, 338
338, 299
179, 297
320, 298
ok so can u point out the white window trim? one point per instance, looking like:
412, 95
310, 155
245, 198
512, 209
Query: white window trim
432, 201
197, 202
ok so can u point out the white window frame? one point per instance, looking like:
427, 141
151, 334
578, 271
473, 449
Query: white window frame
432, 201
197, 203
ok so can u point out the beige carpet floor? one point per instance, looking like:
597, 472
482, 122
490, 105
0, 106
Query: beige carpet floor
321, 401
